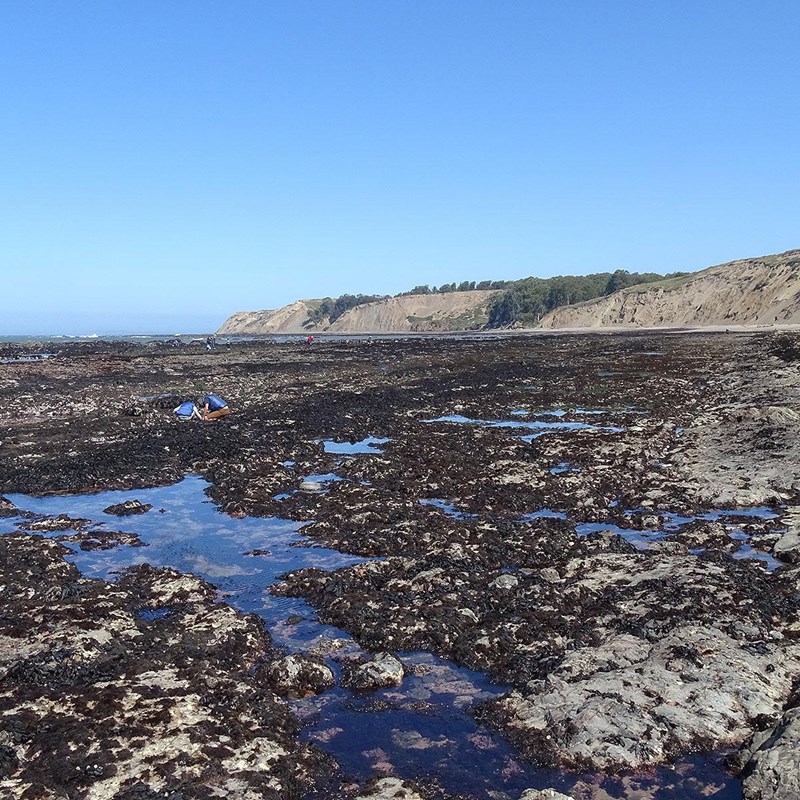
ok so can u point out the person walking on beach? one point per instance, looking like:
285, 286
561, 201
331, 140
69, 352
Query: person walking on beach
214, 407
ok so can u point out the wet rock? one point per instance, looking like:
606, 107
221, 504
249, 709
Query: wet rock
97, 701
504, 582
787, 548
312, 487
704, 535
165, 401
669, 546
543, 794
382, 671
733, 458
62, 522
550, 575
128, 508
101, 539
389, 789
642, 703
299, 675
7, 508
770, 762
81, 532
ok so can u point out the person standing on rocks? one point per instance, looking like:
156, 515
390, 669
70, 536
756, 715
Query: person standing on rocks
214, 407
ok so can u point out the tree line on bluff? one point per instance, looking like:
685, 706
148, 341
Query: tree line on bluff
522, 301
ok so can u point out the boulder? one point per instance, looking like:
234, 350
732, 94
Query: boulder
771, 761
631, 702
7, 508
504, 582
382, 671
299, 675
128, 508
787, 548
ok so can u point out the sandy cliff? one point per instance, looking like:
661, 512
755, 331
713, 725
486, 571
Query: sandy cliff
453, 311
757, 291
288, 319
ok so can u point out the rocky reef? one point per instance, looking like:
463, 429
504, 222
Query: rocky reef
102, 697
605, 524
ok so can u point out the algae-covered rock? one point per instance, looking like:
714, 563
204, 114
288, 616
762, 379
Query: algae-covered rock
381, 671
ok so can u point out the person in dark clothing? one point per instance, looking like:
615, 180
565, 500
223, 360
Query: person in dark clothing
214, 407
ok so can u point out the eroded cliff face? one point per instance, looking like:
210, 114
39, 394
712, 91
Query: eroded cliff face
289, 319
454, 311
759, 291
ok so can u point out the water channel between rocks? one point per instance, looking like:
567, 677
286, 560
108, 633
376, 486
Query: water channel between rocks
420, 730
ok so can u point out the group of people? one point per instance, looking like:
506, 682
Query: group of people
212, 407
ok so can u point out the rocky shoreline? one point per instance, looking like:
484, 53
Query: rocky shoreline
609, 525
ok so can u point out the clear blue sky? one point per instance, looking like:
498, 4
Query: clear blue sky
164, 164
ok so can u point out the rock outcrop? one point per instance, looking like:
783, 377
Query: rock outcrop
389, 789
99, 700
382, 671
769, 761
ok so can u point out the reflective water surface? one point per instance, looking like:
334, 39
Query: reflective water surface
420, 730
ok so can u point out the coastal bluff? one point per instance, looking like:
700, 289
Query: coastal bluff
418, 313
752, 291
759, 291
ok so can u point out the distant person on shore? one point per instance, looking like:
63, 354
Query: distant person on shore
211, 342
214, 407
309, 340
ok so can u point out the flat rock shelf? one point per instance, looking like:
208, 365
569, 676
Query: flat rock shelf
477, 568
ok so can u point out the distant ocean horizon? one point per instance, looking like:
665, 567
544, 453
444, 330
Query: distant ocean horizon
21, 338
186, 338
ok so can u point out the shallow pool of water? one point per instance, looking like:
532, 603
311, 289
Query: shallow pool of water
639, 539
323, 477
671, 523
191, 535
563, 467
30, 358
372, 444
540, 427
420, 730
544, 513
447, 508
